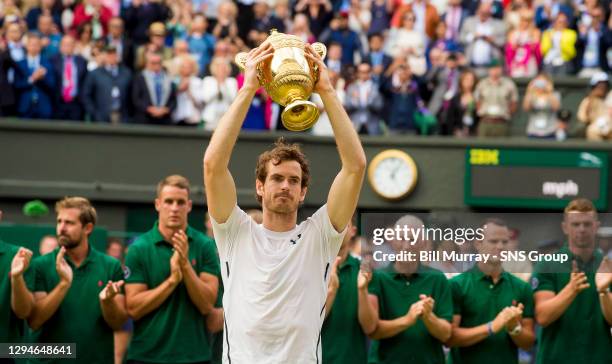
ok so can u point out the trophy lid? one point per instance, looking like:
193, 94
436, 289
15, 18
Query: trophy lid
282, 40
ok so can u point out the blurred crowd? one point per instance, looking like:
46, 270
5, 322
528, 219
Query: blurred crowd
425, 67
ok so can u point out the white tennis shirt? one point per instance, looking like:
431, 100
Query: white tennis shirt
275, 286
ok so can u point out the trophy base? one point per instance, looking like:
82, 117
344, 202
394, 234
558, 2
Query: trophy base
300, 115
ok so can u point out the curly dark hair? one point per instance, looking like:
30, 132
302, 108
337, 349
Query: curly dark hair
282, 151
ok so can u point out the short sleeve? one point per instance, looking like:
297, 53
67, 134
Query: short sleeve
374, 286
542, 280
134, 267
331, 239
117, 273
226, 233
527, 301
208, 261
444, 300
457, 295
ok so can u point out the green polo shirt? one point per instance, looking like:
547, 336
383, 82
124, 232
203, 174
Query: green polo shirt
581, 334
175, 332
343, 339
78, 319
478, 300
396, 293
11, 327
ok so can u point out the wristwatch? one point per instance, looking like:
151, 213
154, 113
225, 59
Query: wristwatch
516, 330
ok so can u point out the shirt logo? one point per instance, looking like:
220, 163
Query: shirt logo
534, 283
193, 262
100, 283
126, 272
296, 239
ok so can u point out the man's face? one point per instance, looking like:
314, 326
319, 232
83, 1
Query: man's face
67, 46
158, 40
115, 250
111, 58
495, 72
115, 27
282, 190
13, 33
260, 9
45, 23
69, 230
154, 63
33, 46
363, 72
376, 43
199, 24
580, 228
495, 241
173, 205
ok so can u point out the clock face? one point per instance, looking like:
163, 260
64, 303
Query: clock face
393, 175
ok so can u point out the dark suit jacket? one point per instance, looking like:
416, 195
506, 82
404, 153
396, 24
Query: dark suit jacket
605, 41
97, 93
44, 89
142, 100
386, 61
127, 52
7, 96
58, 67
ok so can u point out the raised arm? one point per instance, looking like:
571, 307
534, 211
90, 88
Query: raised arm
21, 298
219, 184
344, 192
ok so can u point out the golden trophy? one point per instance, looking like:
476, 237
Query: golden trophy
289, 78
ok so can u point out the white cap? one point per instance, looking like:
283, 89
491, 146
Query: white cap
599, 77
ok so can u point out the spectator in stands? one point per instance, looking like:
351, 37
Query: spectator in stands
117, 38
541, 104
593, 106
301, 29
512, 13
50, 36
403, 99
377, 58
35, 82
182, 17
139, 15
7, 70
548, 12
334, 57
426, 17
349, 40
496, 101
523, 55
446, 80
14, 43
572, 298
558, 46
107, 90
157, 36
153, 93
323, 125
319, 13
364, 103
359, 18
84, 42
483, 38
189, 90
180, 49
201, 43
46, 7
282, 11
263, 19
460, 116
594, 40
453, 18
226, 27
218, 91
93, 12
442, 43
47, 244
601, 128
381, 11
409, 43
70, 72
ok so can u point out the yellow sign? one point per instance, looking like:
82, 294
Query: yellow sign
484, 157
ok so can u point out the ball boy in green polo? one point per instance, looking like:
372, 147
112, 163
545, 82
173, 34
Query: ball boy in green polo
347, 322
77, 290
171, 284
573, 302
493, 308
14, 261
414, 307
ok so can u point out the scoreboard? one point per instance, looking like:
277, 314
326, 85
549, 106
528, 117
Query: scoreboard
534, 179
